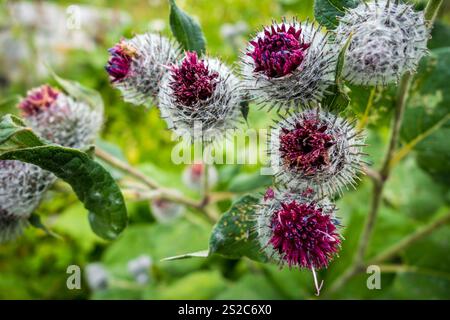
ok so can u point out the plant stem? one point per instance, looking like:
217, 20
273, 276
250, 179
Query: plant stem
357, 266
408, 241
164, 193
390, 252
122, 165
365, 117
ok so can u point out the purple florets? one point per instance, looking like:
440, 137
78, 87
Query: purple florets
192, 81
279, 51
305, 147
303, 235
119, 62
37, 100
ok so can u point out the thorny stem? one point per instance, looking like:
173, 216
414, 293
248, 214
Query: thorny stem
402, 94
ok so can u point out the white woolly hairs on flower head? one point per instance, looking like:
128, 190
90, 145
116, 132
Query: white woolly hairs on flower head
22, 186
67, 122
207, 120
143, 81
338, 166
388, 39
267, 207
305, 85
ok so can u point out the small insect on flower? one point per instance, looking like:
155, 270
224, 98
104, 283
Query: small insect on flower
387, 39
59, 118
137, 66
296, 230
288, 65
316, 149
199, 98
22, 186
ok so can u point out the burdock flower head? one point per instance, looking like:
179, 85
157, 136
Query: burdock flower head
288, 64
316, 149
388, 39
296, 230
59, 118
136, 66
21, 188
199, 98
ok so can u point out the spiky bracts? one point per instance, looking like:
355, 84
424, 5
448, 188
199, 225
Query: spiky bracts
199, 98
22, 186
388, 39
288, 64
60, 118
137, 66
315, 149
296, 230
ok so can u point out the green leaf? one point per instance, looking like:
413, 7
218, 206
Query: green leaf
326, 12
93, 185
249, 181
14, 134
186, 30
35, 221
234, 235
440, 35
337, 99
427, 117
197, 254
244, 105
80, 92
198, 285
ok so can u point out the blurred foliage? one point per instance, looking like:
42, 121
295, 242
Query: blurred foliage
35, 265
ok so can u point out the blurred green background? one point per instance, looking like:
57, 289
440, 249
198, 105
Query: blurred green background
34, 267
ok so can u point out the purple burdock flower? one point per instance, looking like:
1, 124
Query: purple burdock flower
318, 150
136, 66
199, 98
192, 81
279, 52
288, 65
306, 146
60, 118
37, 100
119, 63
297, 230
303, 235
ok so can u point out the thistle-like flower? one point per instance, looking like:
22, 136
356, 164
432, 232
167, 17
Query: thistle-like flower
388, 39
296, 230
288, 65
199, 98
21, 188
316, 149
59, 118
137, 66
